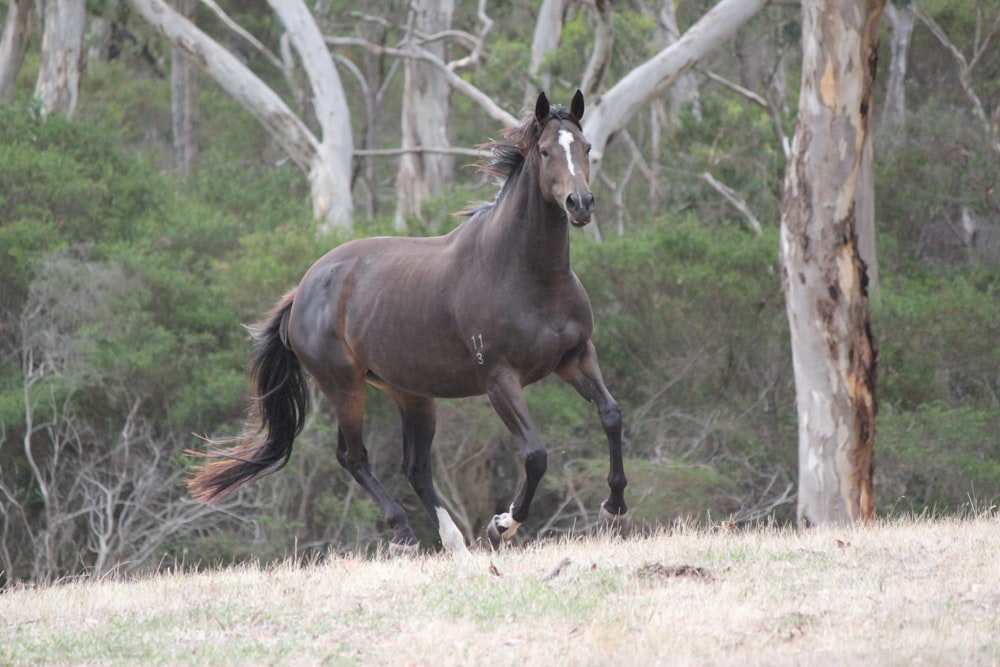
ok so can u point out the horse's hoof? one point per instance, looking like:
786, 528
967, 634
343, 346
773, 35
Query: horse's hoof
608, 517
501, 529
617, 522
401, 550
493, 534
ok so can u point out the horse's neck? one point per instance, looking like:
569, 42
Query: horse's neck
531, 230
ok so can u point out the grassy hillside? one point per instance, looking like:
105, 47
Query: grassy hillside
899, 593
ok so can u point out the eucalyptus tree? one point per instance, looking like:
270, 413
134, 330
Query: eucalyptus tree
58, 84
326, 157
834, 354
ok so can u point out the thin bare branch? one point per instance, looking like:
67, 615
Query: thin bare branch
762, 102
456, 82
965, 68
393, 152
478, 46
735, 199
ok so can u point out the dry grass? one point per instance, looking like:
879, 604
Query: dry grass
900, 593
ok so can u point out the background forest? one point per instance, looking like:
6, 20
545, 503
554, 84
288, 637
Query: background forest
126, 274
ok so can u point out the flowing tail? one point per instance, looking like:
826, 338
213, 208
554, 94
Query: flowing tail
278, 409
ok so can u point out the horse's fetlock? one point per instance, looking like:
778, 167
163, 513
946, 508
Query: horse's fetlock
617, 481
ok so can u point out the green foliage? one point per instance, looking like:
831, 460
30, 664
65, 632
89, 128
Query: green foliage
937, 458
924, 178
939, 333
659, 492
63, 184
686, 297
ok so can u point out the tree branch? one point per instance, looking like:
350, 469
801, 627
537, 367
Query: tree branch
735, 199
965, 69
759, 100
456, 82
394, 152
600, 57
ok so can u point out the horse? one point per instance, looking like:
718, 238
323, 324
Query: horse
488, 308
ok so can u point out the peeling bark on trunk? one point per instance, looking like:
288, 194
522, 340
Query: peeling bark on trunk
426, 117
864, 206
833, 350
184, 101
58, 82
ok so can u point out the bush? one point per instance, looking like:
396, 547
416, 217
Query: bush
939, 338
937, 458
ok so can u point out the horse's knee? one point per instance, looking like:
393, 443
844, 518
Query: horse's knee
536, 463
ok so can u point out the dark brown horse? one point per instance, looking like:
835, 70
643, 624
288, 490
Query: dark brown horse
489, 308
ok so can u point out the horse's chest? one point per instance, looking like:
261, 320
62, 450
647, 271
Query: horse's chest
536, 351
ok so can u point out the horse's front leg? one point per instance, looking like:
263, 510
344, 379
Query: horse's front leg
507, 398
582, 372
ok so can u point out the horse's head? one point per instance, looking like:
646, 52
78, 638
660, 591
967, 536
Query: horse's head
563, 162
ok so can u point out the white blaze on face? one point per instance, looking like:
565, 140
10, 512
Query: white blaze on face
566, 140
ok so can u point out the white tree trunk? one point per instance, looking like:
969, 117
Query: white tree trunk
426, 116
331, 185
600, 56
184, 101
544, 42
901, 20
833, 349
328, 176
58, 82
638, 87
13, 44
685, 91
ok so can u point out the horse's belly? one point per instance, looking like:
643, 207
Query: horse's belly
427, 362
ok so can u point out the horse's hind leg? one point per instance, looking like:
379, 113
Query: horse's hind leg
583, 373
417, 413
348, 407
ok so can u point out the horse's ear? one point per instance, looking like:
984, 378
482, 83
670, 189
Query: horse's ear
542, 108
576, 106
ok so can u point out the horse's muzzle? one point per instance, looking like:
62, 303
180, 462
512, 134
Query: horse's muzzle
580, 207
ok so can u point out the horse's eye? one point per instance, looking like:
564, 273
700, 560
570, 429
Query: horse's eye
587, 150
544, 152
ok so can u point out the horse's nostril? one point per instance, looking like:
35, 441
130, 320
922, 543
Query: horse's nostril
577, 203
